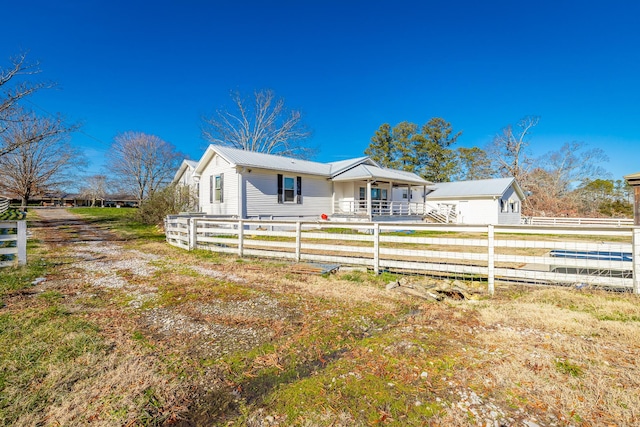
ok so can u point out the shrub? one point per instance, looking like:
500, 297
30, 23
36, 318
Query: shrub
169, 201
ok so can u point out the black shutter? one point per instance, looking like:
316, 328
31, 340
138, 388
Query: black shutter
280, 185
221, 187
299, 189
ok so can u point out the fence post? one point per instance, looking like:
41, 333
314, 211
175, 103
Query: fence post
22, 242
376, 248
241, 238
635, 256
298, 240
491, 260
192, 229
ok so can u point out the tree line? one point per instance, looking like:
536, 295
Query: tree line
569, 181
36, 156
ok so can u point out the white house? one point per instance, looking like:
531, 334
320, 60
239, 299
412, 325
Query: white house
184, 175
483, 201
246, 184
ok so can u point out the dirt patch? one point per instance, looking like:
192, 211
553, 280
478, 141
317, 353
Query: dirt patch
199, 339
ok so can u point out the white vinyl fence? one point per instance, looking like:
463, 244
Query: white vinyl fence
4, 204
580, 256
13, 243
565, 221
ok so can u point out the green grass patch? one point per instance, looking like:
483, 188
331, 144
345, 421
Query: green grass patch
21, 277
569, 368
36, 346
122, 221
12, 214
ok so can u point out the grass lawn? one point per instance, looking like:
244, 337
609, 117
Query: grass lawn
136, 332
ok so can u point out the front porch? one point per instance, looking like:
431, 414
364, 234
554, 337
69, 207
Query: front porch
368, 208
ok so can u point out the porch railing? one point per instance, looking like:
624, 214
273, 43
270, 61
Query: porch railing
379, 207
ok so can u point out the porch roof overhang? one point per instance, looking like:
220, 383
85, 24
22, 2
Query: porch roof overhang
373, 173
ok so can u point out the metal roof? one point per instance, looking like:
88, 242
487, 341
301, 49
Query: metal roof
474, 189
343, 170
191, 164
369, 172
252, 159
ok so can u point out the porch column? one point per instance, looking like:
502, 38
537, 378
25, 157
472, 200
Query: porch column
369, 200
390, 198
424, 200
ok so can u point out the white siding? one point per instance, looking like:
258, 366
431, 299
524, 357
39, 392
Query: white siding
229, 205
480, 211
261, 191
510, 217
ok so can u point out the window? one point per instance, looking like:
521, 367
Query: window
211, 189
219, 189
515, 206
404, 194
378, 194
363, 193
216, 188
504, 206
289, 189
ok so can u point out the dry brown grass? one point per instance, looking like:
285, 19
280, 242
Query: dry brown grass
221, 341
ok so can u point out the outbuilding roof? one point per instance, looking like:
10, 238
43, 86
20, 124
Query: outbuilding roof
481, 188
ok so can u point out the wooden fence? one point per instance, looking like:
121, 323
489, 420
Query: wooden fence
13, 243
598, 256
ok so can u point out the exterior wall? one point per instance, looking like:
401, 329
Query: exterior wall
186, 178
510, 217
397, 195
480, 211
346, 193
229, 205
261, 195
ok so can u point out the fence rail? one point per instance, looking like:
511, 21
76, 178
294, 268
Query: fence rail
13, 243
4, 204
543, 220
600, 256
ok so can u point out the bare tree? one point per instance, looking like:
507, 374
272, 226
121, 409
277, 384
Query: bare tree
13, 89
555, 181
267, 126
509, 152
43, 160
142, 163
95, 189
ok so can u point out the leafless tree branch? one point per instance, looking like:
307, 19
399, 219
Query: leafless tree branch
267, 127
142, 163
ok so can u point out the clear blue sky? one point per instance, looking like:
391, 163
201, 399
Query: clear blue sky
349, 66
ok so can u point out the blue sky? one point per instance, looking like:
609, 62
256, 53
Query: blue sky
349, 66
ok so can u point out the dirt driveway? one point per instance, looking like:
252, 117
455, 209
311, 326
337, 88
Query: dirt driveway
154, 303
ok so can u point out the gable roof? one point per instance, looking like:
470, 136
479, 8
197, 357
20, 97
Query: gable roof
480, 188
186, 164
252, 159
343, 170
369, 172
